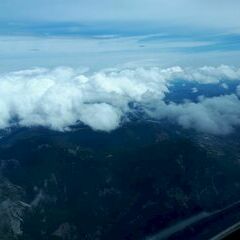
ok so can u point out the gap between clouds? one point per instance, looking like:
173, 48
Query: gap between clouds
61, 97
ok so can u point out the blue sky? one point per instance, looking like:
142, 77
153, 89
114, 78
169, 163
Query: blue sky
106, 33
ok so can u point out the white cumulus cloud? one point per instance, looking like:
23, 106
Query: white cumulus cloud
217, 115
61, 97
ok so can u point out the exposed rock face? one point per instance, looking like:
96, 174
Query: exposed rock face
11, 210
65, 232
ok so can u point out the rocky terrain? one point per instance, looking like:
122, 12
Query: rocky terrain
127, 184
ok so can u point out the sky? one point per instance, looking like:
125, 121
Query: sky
214, 13
96, 62
99, 34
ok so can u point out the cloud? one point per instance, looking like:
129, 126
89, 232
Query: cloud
194, 90
209, 74
45, 47
238, 90
61, 97
225, 86
223, 14
101, 116
217, 115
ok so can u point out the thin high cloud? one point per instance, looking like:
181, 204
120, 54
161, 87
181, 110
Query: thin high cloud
223, 14
176, 32
61, 97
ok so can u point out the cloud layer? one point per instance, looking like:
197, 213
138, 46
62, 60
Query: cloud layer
215, 13
61, 97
